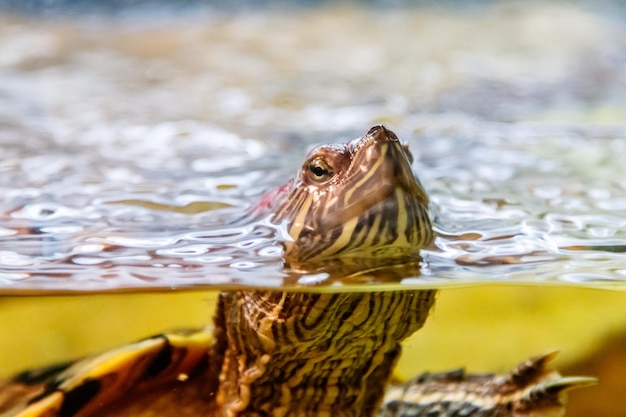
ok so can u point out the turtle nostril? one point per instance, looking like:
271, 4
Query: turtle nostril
375, 130
382, 134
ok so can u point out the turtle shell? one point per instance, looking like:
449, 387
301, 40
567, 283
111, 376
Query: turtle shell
83, 387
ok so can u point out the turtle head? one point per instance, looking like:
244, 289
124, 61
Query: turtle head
359, 199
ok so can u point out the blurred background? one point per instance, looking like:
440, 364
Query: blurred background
121, 116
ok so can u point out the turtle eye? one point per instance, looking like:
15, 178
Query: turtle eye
319, 170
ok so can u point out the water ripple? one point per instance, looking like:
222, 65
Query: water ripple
498, 218
126, 170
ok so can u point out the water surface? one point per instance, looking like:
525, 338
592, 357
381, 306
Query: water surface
129, 145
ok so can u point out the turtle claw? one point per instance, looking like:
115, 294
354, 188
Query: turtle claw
569, 383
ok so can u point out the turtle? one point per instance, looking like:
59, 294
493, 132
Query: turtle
302, 353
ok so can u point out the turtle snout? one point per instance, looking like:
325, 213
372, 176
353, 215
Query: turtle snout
381, 134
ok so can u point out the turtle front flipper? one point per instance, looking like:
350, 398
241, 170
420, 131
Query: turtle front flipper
532, 389
79, 389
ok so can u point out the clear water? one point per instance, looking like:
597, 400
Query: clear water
129, 144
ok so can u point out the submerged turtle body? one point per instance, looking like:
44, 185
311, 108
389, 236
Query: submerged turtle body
275, 353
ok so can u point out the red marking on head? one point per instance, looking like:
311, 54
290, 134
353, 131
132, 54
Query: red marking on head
270, 199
